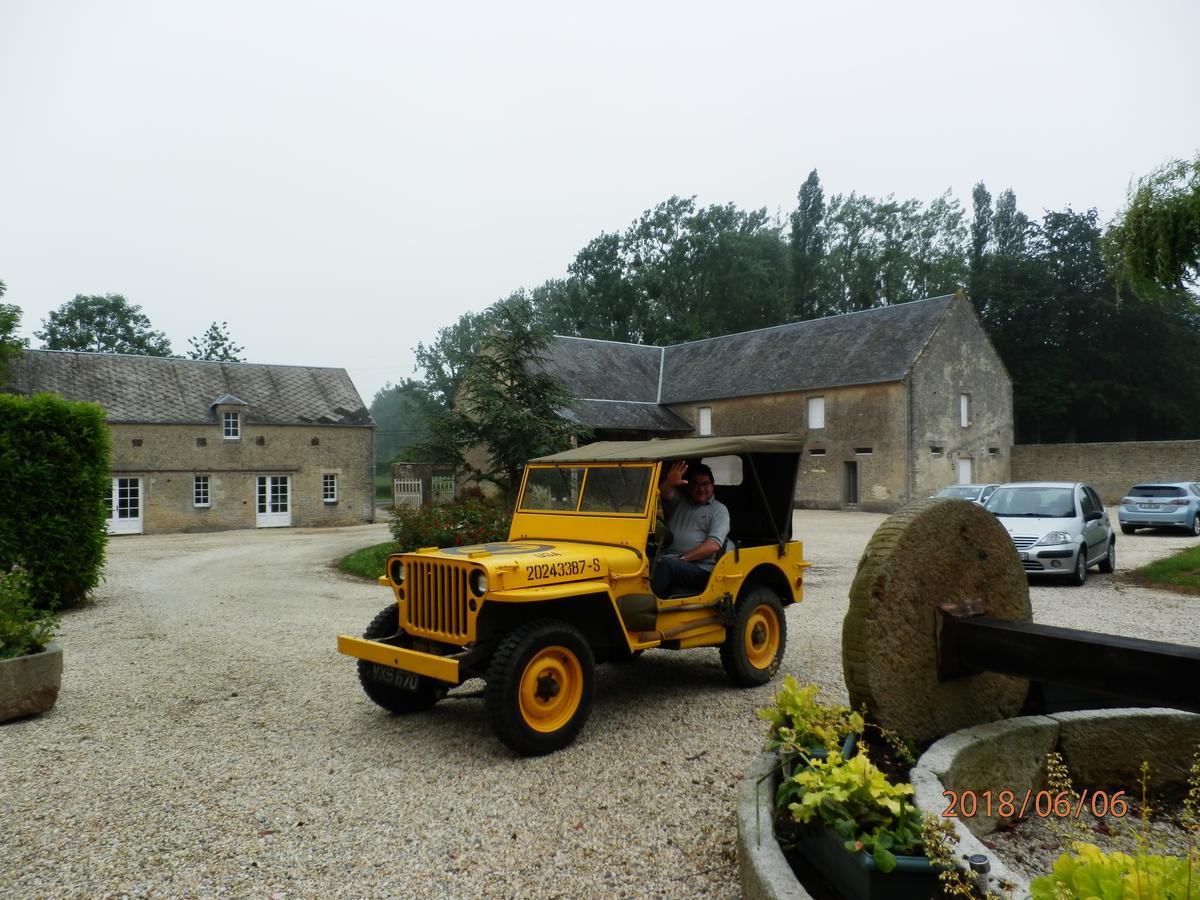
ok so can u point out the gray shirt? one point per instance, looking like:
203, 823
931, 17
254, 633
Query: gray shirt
692, 525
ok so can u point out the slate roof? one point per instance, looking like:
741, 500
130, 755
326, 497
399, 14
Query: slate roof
628, 415
605, 370
151, 389
868, 347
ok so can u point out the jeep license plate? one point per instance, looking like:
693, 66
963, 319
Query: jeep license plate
406, 681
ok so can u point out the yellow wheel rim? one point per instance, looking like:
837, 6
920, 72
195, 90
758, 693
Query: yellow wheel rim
551, 689
761, 637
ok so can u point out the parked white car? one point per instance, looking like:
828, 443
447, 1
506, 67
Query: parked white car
976, 493
1058, 527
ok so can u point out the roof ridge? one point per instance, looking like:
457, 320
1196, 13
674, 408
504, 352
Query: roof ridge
575, 337
180, 359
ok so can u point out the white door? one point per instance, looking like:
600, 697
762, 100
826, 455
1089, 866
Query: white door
274, 501
125, 506
965, 473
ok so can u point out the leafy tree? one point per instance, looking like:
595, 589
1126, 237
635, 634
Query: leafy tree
1157, 240
808, 249
506, 404
10, 344
215, 343
981, 232
107, 324
400, 417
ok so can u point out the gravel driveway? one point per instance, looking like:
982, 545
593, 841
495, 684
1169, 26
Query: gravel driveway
210, 741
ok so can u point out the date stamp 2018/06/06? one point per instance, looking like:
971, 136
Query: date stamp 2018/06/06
1043, 804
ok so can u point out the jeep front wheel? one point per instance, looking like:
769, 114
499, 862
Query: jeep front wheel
754, 645
395, 690
539, 687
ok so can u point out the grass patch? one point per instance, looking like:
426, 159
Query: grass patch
369, 561
1179, 571
383, 487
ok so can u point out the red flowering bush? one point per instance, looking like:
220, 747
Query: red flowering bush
467, 520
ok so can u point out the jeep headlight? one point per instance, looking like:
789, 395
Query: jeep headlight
396, 571
479, 582
1054, 537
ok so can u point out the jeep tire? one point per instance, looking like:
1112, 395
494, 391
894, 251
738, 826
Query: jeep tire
395, 698
540, 683
754, 644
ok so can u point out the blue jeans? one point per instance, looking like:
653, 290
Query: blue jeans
673, 575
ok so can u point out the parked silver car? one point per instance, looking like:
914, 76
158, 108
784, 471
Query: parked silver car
1161, 503
1058, 527
976, 493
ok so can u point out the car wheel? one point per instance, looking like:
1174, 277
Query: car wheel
754, 645
1079, 576
1127, 529
539, 687
1196, 525
1109, 563
396, 691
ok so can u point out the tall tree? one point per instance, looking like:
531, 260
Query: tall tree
10, 345
507, 405
107, 324
1156, 242
808, 249
215, 343
981, 235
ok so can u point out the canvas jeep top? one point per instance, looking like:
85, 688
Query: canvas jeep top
571, 587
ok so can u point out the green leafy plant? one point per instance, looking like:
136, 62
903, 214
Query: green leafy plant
799, 721
1090, 872
468, 520
855, 799
23, 629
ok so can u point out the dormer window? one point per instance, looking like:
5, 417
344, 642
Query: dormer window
231, 426
228, 410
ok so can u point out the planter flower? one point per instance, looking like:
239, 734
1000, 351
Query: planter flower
804, 729
30, 664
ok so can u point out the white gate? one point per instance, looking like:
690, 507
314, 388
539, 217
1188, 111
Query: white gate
125, 506
443, 488
406, 492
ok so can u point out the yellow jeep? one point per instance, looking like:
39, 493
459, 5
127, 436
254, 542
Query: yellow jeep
571, 587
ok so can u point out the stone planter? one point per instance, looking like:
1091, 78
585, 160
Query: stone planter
29, 684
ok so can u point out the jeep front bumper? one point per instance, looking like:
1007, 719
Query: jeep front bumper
441, 668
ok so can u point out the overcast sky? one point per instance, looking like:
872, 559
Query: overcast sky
339, 180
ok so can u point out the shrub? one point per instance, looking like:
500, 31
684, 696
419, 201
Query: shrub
467, 520
800, 721
54, 456
22, 628
1092, 873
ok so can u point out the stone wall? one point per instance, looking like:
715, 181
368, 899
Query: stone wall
959, 360
864, 425
166, 457
1112, 468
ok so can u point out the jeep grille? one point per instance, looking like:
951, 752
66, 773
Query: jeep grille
437, 599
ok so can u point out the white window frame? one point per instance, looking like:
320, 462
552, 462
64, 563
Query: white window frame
964, 409
329, 490
704, 421
231, 426
816, 412
197, 491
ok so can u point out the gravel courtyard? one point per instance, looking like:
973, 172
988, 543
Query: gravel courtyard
210, 741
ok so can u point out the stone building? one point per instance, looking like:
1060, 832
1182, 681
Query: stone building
895, 402
202, 445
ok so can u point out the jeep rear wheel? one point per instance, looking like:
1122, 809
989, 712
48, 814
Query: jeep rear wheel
396, 691
754, 646
539, 687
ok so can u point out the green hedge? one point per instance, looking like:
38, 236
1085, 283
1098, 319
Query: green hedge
54, 460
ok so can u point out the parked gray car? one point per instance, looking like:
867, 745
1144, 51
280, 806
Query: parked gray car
1157, 503
976, 493
1058, 527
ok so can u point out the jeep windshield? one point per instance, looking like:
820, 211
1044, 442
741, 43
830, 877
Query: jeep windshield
1033, 502
595, 489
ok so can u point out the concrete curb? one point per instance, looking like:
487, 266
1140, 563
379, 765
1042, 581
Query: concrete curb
765, 872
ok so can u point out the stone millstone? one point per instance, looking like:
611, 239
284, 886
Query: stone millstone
928, 554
